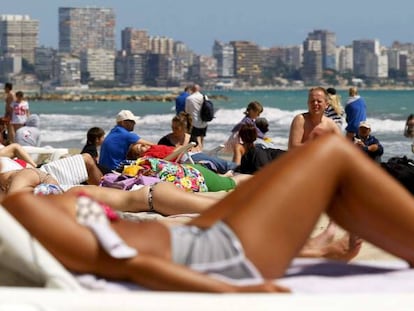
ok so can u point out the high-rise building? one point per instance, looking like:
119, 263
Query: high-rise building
134, 41
18, 36
367, 57
129, 68
224, 54
328, 47
161, 45
294, 56
247, 60
46, 63
312, 61
69, 70
97, 65
345, 59
86, 28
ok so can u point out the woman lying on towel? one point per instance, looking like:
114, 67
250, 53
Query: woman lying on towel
64, 172
214, 181
250, 236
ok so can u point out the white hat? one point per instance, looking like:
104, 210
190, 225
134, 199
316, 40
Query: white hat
365, 124
126, 115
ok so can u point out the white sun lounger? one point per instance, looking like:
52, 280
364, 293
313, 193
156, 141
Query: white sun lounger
48, 153
26, 259
317, 284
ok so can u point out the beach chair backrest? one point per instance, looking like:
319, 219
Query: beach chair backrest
21, 253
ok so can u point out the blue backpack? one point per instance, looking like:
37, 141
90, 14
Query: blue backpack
207, 110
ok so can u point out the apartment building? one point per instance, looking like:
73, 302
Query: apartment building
18, 36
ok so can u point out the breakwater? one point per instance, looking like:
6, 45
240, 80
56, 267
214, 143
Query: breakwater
110, 97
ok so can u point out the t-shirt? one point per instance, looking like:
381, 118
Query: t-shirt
19, 114
180, 102
115, 146
193, 105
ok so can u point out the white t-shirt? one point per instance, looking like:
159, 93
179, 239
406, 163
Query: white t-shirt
19, 114
193, 106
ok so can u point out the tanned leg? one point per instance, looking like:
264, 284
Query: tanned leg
274, 213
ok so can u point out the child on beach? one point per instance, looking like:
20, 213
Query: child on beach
253, 111
94, 138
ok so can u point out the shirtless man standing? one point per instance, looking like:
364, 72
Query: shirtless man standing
309, 125
9, 98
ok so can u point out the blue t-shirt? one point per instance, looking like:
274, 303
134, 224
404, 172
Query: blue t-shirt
356, 112
180, 102
115, 146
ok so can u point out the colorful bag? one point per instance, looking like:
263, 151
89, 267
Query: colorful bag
183, 176
123, 182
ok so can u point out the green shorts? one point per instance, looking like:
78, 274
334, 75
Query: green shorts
214, 181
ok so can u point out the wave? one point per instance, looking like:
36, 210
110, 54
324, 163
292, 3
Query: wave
63, 130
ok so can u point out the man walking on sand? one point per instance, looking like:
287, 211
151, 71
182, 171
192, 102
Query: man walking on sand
309, 125
193, 105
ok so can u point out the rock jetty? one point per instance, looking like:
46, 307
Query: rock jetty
110, 97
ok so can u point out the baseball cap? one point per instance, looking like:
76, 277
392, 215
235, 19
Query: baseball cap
126, 115
364, 124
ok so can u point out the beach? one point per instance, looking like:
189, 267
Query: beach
64, 124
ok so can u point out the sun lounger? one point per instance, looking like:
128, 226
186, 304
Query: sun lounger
371, 280
46, 154
26, 259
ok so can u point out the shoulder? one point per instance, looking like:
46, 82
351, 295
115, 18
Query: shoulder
300, 118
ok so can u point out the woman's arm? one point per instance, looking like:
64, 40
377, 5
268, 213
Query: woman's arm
144, 142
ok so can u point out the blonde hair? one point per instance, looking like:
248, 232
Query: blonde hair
353, 91
335, 102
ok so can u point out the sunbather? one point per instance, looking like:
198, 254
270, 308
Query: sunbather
214, 181
256, 230
63, 172
15, 151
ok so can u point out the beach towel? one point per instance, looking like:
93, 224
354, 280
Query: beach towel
183, 176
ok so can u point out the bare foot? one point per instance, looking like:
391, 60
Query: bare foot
324, 238
344, 249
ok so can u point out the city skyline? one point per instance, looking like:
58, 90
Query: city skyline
264, 22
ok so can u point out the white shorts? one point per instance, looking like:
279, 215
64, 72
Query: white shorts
216, 251
67, 171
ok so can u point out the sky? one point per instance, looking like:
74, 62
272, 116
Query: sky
266, 22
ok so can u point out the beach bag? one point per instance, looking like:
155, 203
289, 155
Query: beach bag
402, 168
207, 110
124, 182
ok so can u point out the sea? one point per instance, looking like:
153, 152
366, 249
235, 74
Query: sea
64, 124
